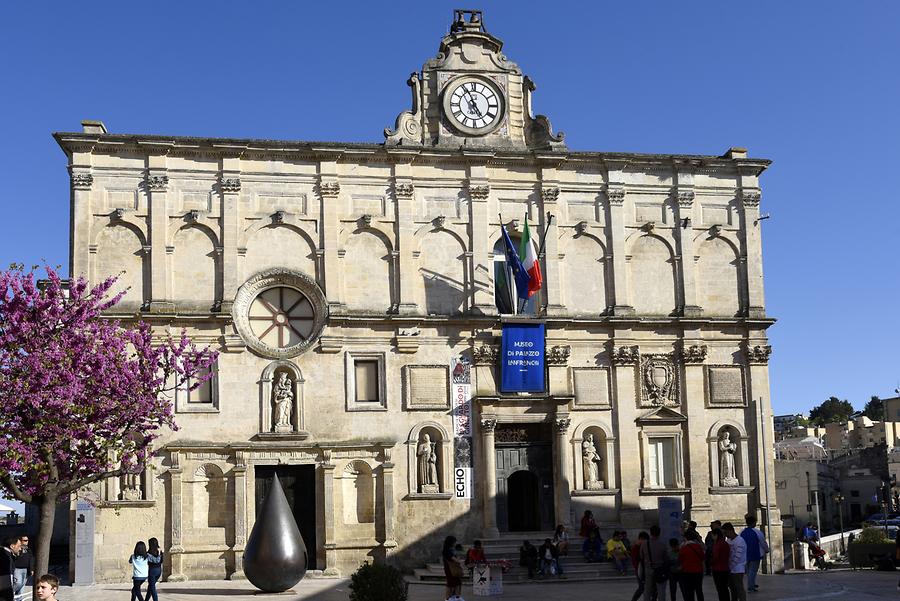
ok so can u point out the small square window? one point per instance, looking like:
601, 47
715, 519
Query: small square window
202, 399
365, 382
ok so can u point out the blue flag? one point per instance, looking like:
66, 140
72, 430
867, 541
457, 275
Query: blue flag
514, 264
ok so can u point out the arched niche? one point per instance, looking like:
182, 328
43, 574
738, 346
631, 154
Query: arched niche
442, 445
737, 435
195, 273
719, 277
605, 445
585, 276
280, 246
358, 493
120, 252
368, 272
652, 276
276, 377
442, 268
208, 498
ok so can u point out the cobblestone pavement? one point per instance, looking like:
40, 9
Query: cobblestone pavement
825, 586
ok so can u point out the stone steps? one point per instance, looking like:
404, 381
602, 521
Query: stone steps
506, 546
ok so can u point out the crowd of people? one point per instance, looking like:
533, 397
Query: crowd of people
17, 567
661, 567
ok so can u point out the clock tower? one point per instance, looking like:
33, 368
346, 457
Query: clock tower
471, 95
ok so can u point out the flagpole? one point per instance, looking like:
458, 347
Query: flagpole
549, 220
510, 281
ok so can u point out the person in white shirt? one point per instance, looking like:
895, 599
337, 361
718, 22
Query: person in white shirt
737, 563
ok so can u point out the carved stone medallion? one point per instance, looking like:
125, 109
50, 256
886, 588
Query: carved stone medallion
659, 380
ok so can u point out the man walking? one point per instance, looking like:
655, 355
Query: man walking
655, 557
737, 563
8, 554
24, 564
756, 550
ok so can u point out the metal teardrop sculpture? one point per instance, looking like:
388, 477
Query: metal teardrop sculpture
275, 557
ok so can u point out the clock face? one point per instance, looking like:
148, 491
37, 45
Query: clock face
473, 105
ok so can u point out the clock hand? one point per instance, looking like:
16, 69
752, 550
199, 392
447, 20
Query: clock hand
472, 104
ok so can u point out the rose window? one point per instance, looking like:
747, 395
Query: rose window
280, 313
281, 317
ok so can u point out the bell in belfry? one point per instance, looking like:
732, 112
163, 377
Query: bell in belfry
275, 558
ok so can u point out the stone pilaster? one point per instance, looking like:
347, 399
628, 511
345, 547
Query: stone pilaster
240, 520
615, 195
387, 501
684, 195
490, 477
329, 192
625, 360
404, 194
756, 304
551, 264
328, 505
763, 433
230, 191
479, 191
693, 357
561, 473
157, 185
176, 549
80, 229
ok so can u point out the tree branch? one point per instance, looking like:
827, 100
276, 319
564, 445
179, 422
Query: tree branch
10, 485
73, 486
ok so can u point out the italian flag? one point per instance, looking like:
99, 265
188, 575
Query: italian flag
528, 253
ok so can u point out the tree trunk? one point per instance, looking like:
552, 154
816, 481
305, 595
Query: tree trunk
47, 504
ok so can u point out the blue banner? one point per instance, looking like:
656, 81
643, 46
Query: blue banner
522, 358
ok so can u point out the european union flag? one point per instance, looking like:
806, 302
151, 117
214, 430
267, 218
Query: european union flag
514, 263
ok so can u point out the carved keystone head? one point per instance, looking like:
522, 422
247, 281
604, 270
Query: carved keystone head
117, 213
439, 221
365, 220
715, 230
649, 226
278, 217
192, 216
581, 227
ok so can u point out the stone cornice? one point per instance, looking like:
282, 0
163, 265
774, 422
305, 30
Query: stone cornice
72, 142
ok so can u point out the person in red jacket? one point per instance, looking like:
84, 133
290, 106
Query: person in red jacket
691, 558
719, 565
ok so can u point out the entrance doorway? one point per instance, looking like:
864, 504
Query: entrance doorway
524, 471
523, 490
299, 484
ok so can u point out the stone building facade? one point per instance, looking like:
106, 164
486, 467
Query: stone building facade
341, 281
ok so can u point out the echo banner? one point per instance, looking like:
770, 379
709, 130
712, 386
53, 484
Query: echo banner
522, 360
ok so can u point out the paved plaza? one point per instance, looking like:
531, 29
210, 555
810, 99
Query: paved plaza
841, 584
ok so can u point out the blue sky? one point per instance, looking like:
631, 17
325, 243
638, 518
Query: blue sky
811, 85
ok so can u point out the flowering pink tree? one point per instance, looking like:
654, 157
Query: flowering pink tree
81, 397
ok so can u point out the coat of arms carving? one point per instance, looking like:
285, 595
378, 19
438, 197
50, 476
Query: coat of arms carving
659, 381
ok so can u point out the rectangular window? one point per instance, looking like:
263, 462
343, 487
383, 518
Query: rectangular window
662, 462
202, 399
365, 382
366, 374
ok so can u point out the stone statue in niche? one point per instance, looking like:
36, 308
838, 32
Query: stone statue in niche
283, 396
727, 448
131, 487
591, 459
427, 466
